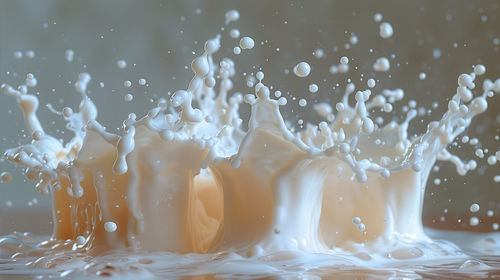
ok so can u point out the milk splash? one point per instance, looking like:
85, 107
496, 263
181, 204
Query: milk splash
187, 178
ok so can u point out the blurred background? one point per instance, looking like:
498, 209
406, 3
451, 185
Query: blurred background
158, 40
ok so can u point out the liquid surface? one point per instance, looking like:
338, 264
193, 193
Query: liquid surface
479, 260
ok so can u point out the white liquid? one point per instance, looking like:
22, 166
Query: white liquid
188, 179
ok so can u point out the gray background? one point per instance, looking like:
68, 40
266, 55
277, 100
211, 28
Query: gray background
156, 39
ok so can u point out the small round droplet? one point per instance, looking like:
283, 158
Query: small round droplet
234, 33
6, 177
479, 69
110, 227
69, 55
18, 55
30, 54
121, 64
492, 160
474, 207
67, 112
319, 53
344, 60
128, 97
232, 15
474, 221
387, 107
246, 43
361, 227
382, 64
80, 240
386, 30
313, 88
371, 83
302, 69
353, 39
259, 76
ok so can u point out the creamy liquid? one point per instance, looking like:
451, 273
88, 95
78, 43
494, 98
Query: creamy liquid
186, 178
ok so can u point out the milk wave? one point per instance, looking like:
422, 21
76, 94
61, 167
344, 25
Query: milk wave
187, 178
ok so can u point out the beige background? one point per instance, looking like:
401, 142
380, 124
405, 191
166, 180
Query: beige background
157, 38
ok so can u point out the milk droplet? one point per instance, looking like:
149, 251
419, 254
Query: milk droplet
382, 64
334, 69
18, 55
344, 60
69, 55
387, 107
30, 54
479, 69
371, 83
246, 43
128, 97
232, 15
234, 33
465, 80
127, 83
67, 112
422, 76
474, 221
302, 69
386, 30
210, 82
343, 68
495, 226
259, 76
474, 207
31, 80
6, 177
479, 153
142, 81
492, 160
361, 227
377, 17
319, 53
121, 64
110, 226
436, 53
80, 240
282, 101
353, 39
313, 88
302, 102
